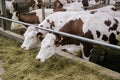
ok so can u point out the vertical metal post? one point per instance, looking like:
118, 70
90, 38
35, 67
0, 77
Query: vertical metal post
43, 10
49, 3
107, 2
3, 12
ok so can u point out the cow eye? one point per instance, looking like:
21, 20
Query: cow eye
48, 46
32, 37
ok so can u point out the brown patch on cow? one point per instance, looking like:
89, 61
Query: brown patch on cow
98, 34
52, 24
87, 46
96, 0
112, 39
114, 27
48, 21
93, 12
40, 36
85, 4
116, 21
57, 4
107, 22
114, 9
72, 27
41, 25
104, 37
29, 18
118, 32
88, 34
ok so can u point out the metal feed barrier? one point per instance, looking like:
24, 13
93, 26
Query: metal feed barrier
66, 34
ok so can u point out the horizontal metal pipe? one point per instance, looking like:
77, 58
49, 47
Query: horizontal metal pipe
68, 35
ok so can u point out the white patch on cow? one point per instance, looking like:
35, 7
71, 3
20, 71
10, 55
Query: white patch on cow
31, 39
15, 25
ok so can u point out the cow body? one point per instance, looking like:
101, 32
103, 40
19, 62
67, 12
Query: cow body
93, 26
34, 17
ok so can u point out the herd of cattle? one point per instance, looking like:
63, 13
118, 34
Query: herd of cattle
102, 24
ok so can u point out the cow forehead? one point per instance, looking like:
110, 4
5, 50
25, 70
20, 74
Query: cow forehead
30, 33
49, 38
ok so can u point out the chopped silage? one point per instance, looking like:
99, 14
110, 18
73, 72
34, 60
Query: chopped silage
22, 65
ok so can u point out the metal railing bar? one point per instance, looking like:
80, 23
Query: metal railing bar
68, 35
20, 22
81, 38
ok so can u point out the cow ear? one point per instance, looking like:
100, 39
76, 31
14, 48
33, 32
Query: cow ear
39, 35
17, 14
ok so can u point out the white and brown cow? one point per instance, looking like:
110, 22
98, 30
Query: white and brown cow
33, 17
98, 26
31, 34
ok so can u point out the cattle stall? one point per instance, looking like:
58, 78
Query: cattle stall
7, 32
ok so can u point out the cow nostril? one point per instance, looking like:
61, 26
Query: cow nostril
24, 48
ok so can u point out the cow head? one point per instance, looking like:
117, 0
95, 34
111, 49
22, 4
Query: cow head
15, 25
32, 38
48, 47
